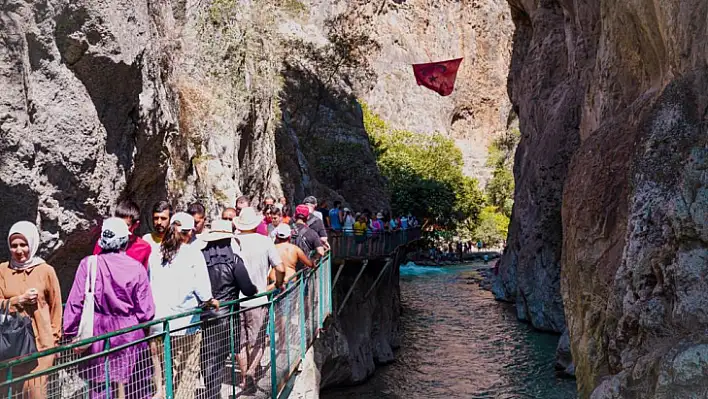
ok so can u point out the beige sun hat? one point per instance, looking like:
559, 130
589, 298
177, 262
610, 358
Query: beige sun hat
249, 219
220, 229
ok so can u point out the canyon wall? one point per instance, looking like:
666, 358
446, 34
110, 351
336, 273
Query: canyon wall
191, 100
366, 332
611, 199
178, 100
420, 31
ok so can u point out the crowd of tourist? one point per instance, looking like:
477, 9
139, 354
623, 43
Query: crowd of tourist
183, 263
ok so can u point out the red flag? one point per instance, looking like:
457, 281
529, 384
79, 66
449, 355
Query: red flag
438, 76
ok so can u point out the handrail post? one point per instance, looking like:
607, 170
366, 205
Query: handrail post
271, 334
301, 303
169, 388
107, 368
329, 283
286, 330
320, 305
232, 347
9, 378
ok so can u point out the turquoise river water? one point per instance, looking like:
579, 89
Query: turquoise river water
457, 342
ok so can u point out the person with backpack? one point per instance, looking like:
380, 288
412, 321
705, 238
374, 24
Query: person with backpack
307, 239
229, 278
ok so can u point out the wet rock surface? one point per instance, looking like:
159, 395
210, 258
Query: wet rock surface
610, 205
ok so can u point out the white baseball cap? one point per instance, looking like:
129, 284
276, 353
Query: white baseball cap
185, 220
283, 231
117, 226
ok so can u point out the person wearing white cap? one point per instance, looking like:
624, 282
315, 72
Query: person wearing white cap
289, 253
259, 255
180, 282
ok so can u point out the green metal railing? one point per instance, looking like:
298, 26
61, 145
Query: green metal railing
346, 245
132, 369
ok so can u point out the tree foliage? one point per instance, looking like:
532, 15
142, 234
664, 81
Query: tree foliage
424, 173
500, 188
493, 226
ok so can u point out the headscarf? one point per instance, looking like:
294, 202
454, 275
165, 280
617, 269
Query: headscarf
30, 233
109, 242
114, 235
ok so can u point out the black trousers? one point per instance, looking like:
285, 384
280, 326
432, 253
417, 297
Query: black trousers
216, 346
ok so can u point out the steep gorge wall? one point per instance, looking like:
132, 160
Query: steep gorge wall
182, 100
612, 191
419, 31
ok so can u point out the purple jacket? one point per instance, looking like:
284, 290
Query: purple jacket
123, 299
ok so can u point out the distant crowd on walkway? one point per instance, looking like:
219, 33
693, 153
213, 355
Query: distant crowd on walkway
455, 250
184, 262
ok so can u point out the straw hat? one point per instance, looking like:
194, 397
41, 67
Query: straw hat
248, 219
220, 229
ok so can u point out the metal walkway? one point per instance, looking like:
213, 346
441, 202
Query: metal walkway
175, 359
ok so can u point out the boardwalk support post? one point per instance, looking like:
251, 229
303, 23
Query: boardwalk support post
376, 282
339, 271
351, 289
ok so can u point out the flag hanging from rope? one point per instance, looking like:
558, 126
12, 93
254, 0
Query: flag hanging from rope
438, 76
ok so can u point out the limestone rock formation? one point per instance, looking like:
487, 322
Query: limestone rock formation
85, 109
150, 100
419, 31
611, 188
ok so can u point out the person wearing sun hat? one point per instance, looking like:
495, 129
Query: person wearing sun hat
259, 255
229, 278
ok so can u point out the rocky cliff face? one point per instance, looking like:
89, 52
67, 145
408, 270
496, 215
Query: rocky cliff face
151, 100
610, 207
366, 333
192, 100
419, 31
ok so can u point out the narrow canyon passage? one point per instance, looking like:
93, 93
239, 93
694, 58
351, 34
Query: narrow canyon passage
457, 342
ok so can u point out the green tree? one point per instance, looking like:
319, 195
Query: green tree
493, 226
500, 188
424, 173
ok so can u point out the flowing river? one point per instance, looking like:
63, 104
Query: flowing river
457, 342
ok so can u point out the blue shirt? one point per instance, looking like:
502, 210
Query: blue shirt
334, 219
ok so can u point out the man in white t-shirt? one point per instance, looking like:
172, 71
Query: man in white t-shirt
161, 214
259, 256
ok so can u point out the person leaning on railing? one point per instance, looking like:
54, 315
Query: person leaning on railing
32, 288
123, 298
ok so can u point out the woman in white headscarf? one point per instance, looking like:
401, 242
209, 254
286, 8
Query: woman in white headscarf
32, 288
